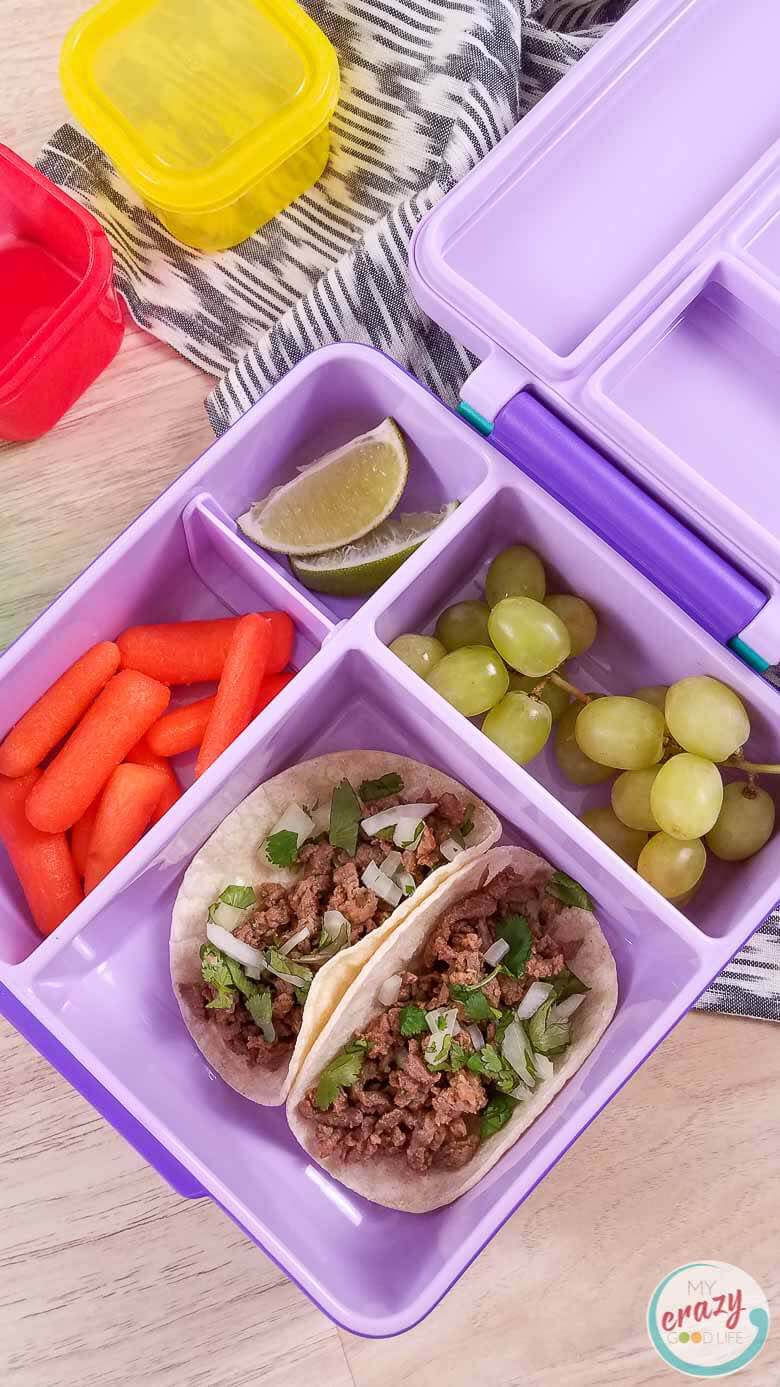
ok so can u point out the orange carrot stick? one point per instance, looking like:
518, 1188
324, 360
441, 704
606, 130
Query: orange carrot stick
118, 718
57, 710
237, 693
126, 807
42, 861
193, 652
142, 755
182, 729
270, 687
81, 834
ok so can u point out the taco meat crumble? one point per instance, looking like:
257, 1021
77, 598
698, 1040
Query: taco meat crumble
434, 1115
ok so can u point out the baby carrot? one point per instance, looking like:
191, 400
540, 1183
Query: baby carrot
182, 729
118, 718
57, 710
193, 652
42, 861
270, 687
142, 755
237, 693
126, 807
80, 835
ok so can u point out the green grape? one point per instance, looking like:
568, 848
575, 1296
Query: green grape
626, 842
652, 693
631, 798
687, 796
578, 618
706, 717
745, 822
515, 572
520, 725
472, 679
465, 623
682, 901
672, 865
530, 637
621, 732
420, 653
576, 766
557, 699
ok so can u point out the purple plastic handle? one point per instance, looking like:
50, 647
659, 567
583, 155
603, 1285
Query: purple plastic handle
147, 1146
705, 585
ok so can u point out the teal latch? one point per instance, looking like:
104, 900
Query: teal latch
473, 417
749, 655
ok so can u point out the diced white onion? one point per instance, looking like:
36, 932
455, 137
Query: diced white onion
544, 1067
391, 864
285, 977
450, 848
320, 817
563, 1010
450, 1015
387, 817
227, 917
376, 880
333, 922
515, 1049
388, 992
476, 1037
234, 948
498, 950
254, 973
520, 1092
406, 832
294, 820
295, 940
537, 993
406, 882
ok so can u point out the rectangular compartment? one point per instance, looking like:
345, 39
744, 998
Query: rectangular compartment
108, 992
60, 317
643, 639
700, 378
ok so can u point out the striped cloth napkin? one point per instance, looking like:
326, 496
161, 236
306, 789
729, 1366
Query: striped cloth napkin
428, 88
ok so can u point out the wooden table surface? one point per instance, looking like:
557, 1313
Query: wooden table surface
107, 1277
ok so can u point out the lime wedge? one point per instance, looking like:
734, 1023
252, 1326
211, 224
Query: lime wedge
336, 500
354, 570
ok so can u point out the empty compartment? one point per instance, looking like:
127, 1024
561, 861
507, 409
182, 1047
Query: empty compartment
701, 378
643, 638
565, 221
332, 397
109, 996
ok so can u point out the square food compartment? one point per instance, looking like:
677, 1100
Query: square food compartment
643, 639
107, 994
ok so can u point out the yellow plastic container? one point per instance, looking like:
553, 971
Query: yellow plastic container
216, 111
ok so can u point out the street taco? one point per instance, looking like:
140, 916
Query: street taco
458, 1034
293, 893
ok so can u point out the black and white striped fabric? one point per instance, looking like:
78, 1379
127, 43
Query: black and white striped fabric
428, 88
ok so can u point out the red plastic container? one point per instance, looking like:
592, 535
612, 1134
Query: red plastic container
60, 316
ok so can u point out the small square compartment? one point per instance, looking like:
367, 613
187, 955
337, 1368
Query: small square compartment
108, 995
643, 639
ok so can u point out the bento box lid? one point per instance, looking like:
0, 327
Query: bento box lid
619, 253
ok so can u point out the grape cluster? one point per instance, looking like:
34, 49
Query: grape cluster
503, 657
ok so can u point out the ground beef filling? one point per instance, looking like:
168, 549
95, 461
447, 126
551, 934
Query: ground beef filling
400, 1108
329, 879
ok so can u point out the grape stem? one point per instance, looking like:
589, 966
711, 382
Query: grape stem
754, 767
570, 688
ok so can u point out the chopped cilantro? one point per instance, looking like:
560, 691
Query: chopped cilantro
507, 1017
467, 824
566, 984
239, 896
239, 978
260, 1007
390, 784
493, 1067
564, 888
496, 1114
301, 993
345, 816
281, 848
437, 1060
476, 1006
516, 930
547, 1036
386, 834
216, 972
411, 1020
282, 965
343, 1070
458, 1057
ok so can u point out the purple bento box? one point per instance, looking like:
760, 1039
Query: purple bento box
616, 265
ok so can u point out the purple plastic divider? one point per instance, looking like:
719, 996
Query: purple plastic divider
659, 545
148, 1147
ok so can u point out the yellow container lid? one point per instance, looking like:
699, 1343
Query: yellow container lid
196, 100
